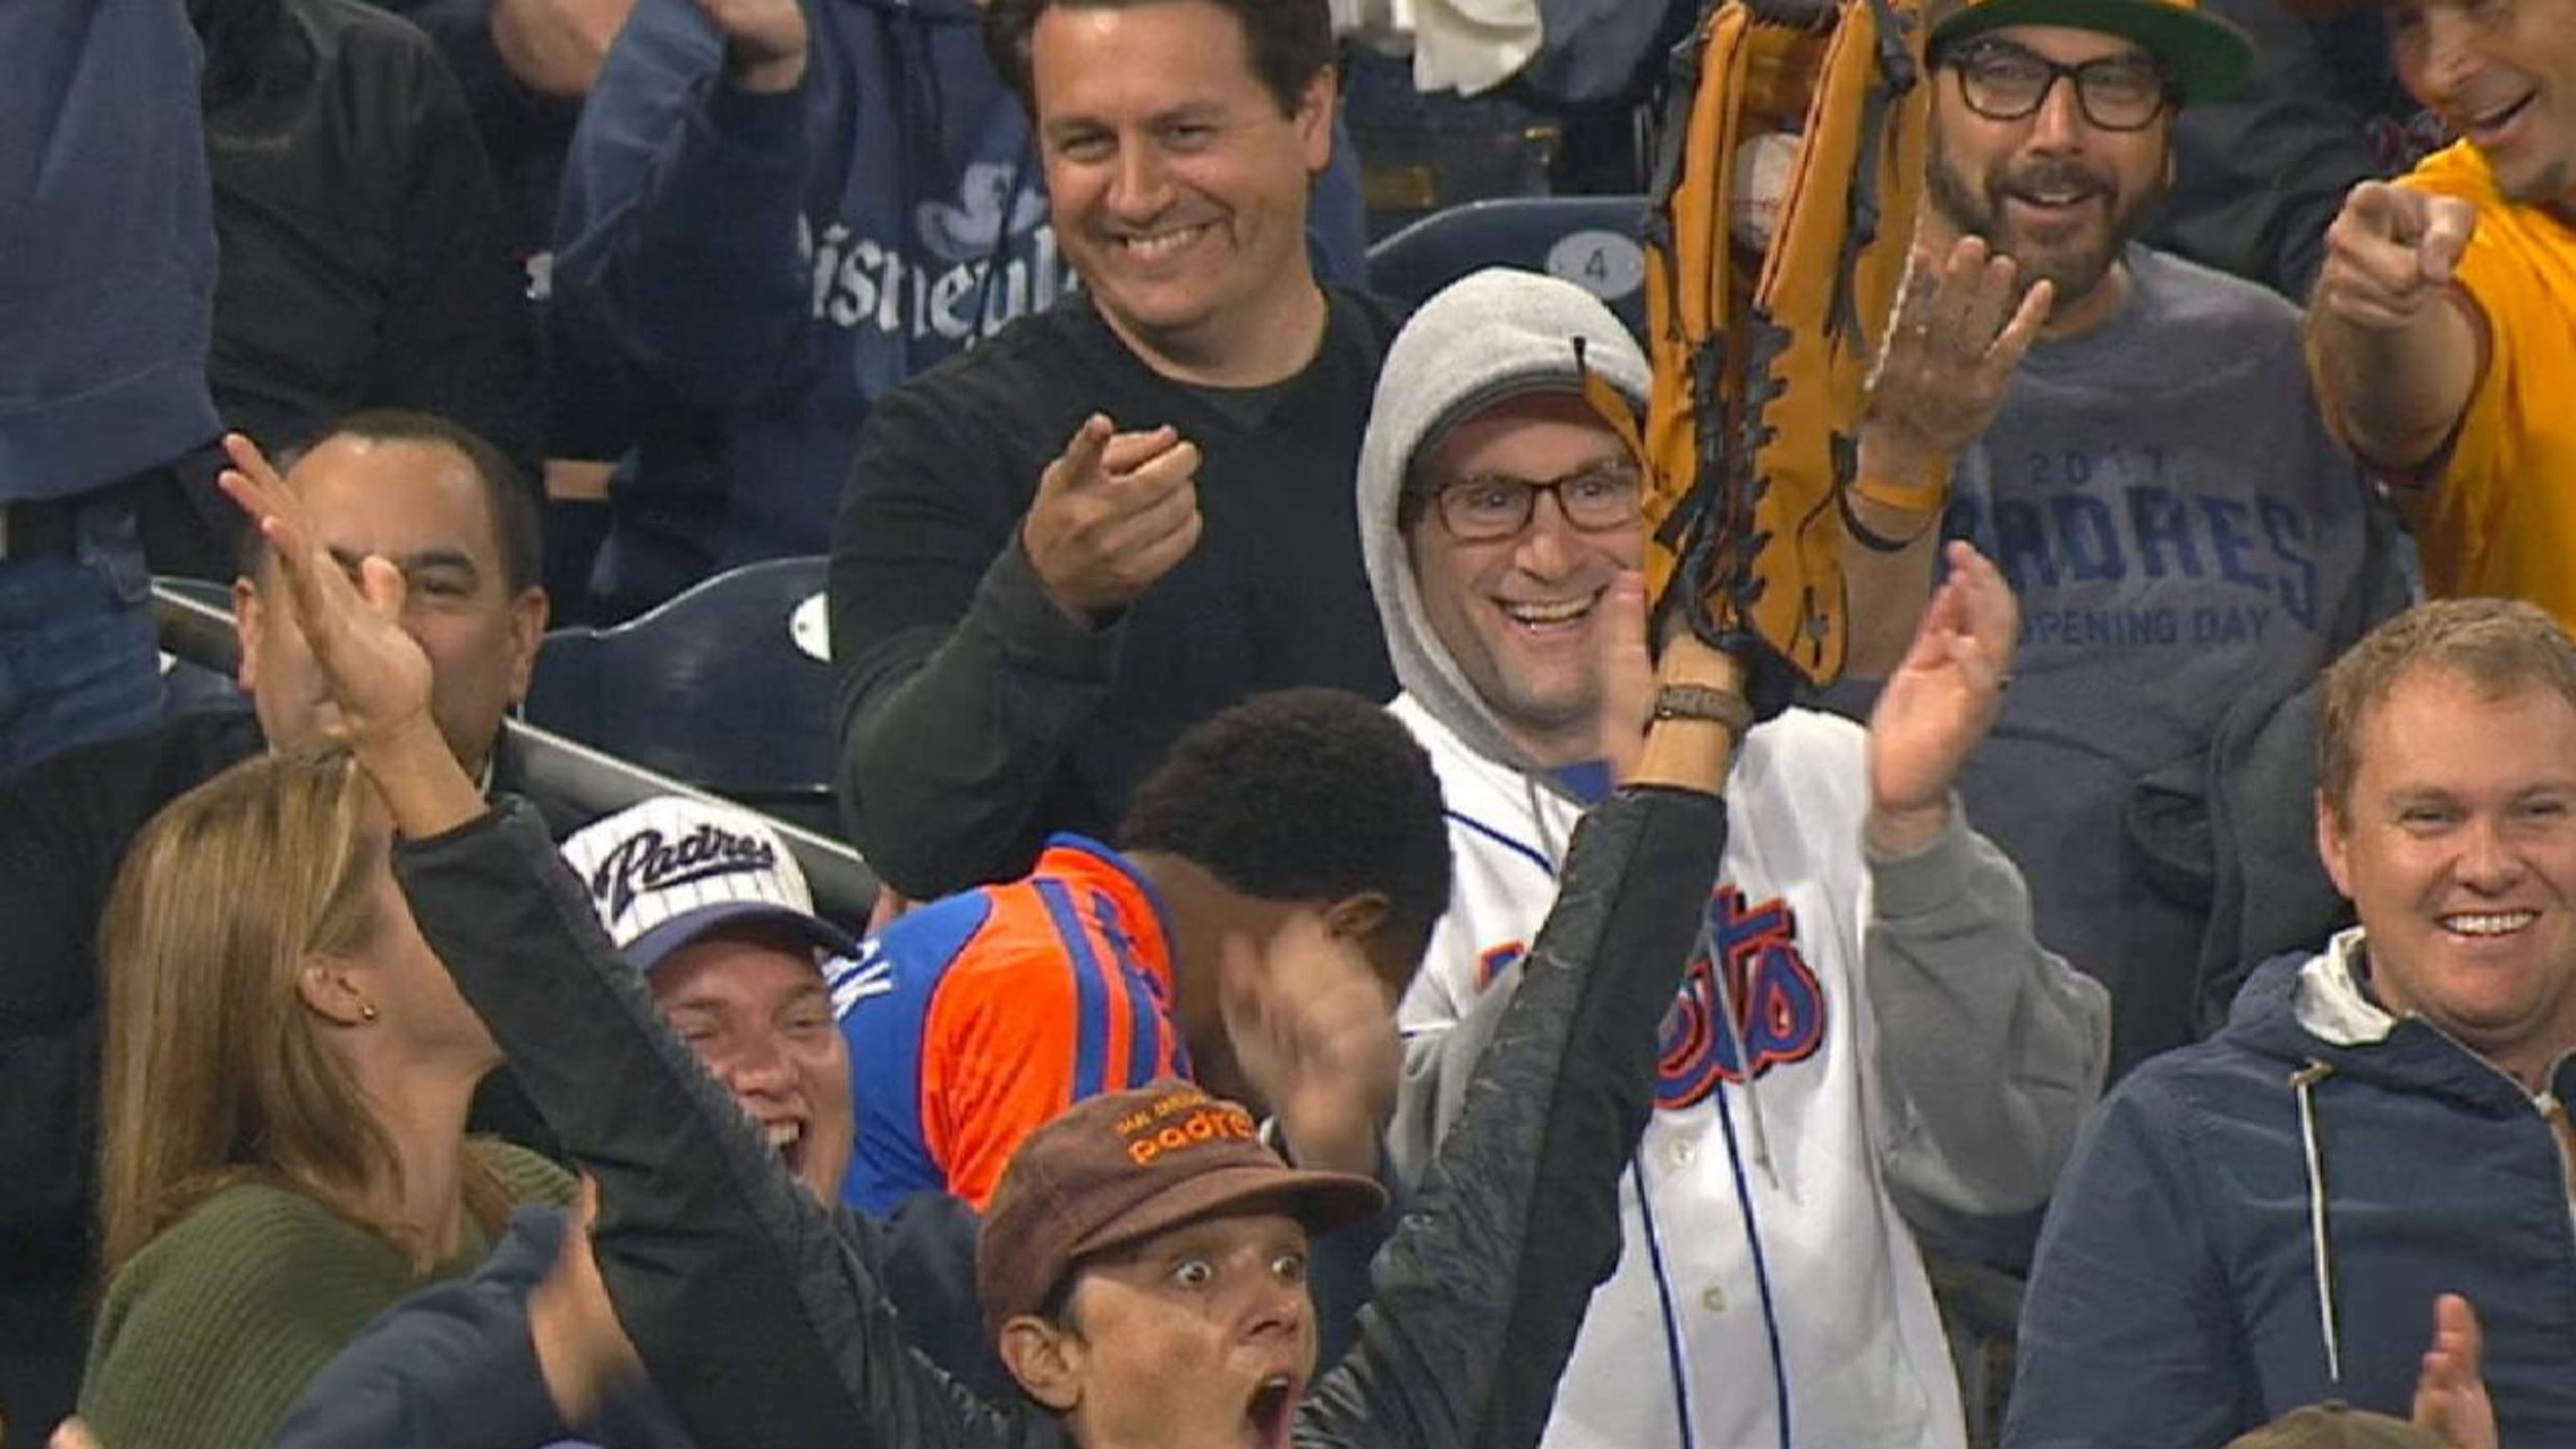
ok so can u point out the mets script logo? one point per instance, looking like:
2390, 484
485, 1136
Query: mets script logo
645, 862
1779, 1006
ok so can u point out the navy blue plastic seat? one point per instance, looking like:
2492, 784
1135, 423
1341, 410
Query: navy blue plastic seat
727, 687
1591, 241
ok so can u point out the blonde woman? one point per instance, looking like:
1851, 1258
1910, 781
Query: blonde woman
287, 1074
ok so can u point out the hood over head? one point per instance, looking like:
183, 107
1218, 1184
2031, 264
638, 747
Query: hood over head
1495, 334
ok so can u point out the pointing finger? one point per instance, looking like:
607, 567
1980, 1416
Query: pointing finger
1081, 455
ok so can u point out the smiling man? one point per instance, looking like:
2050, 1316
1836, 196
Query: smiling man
1868, 989
2155, 482
1128, 512
2439, 329
707, 903
2267, 1220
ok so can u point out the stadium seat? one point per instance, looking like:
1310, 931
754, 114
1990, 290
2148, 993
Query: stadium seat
727, 687
1591, 241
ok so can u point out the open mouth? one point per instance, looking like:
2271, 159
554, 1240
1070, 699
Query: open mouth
2055, 201
1541, 617
788, 1140
2487, 925
2489, 127
1156, 246
1272, 1410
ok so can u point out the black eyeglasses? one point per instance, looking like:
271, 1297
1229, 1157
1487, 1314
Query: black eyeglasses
1488, 509
2003, 82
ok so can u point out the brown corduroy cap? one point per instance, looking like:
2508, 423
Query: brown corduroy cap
1119, 1168
2334, 1425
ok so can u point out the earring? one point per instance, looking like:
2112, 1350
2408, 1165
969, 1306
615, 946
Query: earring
366, 1011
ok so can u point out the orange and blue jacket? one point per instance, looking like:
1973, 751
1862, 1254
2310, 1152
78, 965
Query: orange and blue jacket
975, 1020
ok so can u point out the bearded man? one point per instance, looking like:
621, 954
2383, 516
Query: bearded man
2154, 481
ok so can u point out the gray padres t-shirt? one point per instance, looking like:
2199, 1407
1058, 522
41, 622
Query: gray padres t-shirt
2181, 532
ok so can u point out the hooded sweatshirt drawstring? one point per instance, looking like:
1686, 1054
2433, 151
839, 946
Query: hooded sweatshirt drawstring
2320, 1238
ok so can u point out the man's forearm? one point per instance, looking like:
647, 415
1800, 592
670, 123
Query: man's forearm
1993, 1046
944, 768
1892, 532
2395, 395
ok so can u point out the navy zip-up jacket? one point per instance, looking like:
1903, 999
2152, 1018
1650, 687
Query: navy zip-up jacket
2203, 1272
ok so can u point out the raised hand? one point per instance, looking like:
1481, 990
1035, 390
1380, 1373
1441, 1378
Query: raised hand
1960, 329
2391, 250
554, 47
378, 677
1939, 702
1114, 513
2451, 1388
1314, 1034
765, 43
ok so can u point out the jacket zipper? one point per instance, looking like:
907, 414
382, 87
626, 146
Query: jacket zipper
2553, 1114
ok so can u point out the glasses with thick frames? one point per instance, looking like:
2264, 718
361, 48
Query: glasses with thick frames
2003, 82
1491, 508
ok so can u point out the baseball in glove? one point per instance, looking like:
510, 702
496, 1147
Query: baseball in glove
1786, 186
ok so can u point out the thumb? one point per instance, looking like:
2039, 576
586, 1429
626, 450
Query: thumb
381, 583
1625, 655
2448, 224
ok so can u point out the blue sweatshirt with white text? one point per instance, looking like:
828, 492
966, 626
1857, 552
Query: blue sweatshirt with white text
774, 263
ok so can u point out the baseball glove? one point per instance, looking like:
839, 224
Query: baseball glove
1764, 319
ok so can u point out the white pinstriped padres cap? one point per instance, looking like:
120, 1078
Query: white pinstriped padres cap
668, 871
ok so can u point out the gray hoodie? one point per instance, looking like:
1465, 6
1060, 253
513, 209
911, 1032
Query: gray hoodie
1917, 1059
1520, 331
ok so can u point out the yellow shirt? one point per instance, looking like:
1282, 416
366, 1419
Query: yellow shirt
2501, 517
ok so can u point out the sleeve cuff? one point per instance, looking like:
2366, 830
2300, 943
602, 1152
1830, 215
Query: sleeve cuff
769, 125
1926, 878
1033, 633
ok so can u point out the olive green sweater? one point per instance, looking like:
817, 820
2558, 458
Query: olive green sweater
207, 1337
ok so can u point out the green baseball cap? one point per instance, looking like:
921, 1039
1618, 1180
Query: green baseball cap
2209, 57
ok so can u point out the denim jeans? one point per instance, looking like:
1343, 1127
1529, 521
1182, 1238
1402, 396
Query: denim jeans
78, 657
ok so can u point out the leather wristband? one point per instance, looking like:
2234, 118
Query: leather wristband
1722, 707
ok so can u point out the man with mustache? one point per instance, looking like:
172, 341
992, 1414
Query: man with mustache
2154, 481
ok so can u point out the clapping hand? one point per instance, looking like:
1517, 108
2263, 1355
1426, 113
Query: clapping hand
350, 613
1939, 702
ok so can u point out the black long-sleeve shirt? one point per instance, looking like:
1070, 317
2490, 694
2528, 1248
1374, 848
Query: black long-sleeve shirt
975, 717
763, 1328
